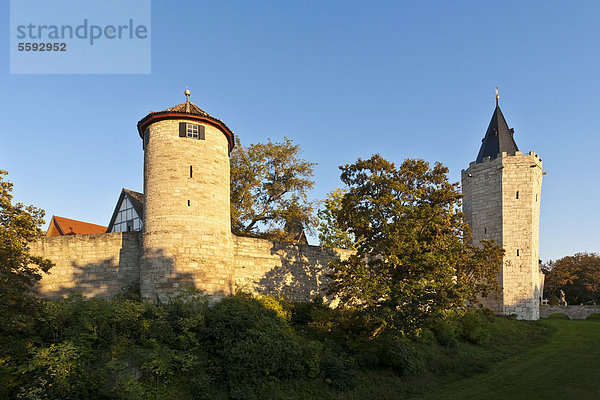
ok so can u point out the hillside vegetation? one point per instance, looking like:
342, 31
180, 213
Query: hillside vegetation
251, 348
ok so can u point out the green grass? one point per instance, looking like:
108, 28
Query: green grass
558, 316
566, 367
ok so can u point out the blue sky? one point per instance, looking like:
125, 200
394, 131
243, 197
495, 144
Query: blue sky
343, 80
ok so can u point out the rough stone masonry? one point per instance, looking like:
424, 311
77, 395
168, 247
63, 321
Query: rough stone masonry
186, 235
187, 238
502, 190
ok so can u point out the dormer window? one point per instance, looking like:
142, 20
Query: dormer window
192, 130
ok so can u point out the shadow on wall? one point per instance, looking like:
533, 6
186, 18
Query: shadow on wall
161, 279
301, 271
101, 277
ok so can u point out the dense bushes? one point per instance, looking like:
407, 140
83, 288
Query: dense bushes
241, 347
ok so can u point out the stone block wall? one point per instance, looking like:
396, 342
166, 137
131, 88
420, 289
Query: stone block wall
103, 265
482, 206
186, 212
295, 270
502, 202
521, 191
97, 265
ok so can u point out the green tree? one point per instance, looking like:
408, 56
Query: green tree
577, 275
331, 233
19, 270
412, 260
269, 185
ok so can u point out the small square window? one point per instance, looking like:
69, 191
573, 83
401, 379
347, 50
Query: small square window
130, 225
192, 131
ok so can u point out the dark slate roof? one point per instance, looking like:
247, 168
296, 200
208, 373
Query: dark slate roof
498, 138
137, 201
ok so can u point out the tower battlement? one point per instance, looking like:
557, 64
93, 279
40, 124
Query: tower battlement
532, 155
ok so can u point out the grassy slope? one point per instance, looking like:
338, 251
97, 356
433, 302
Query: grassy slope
567, 367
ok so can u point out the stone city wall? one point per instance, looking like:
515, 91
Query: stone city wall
96, 265
297, 271
103, 265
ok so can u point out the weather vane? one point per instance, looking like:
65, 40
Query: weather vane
497, 96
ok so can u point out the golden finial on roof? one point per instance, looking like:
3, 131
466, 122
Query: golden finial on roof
497, 96
187, 99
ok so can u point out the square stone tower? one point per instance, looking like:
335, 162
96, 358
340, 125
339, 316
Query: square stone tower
502, 189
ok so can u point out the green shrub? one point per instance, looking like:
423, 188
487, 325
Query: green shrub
446, 330
425, 336
337, 372
595, 316
475, 327
390, 352
253, 344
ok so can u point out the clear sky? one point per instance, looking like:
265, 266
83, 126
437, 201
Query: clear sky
343, 79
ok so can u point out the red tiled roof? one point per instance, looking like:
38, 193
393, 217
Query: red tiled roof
60, 226
193, 111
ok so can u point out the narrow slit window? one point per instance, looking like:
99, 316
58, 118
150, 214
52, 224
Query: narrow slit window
189, 203
191, 171
536, 197
484, 230
517, 252
146, 138
517, 195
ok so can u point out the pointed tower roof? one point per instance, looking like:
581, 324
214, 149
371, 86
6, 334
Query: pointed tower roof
498, 138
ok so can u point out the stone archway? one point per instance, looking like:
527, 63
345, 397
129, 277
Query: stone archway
573, 312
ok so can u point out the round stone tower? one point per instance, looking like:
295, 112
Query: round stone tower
187, 226
502, 190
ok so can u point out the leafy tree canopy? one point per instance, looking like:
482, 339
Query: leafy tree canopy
331, 233
269, 185
19, 270
412, 260
577, 275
